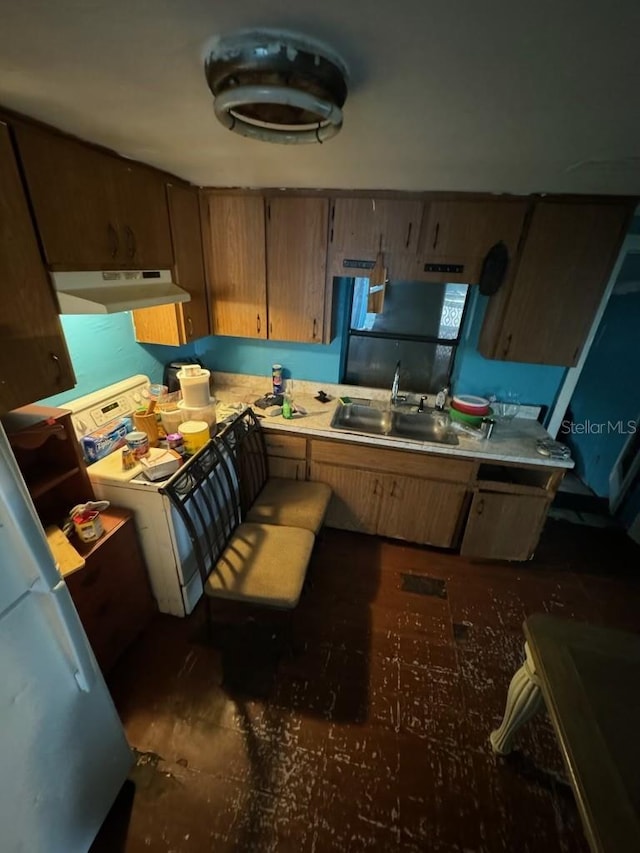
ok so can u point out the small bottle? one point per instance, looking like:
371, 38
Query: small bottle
441, 398
287, 406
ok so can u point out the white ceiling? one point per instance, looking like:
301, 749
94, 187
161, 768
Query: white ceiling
497, 95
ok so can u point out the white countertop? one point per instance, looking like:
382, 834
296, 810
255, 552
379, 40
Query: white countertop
513, 441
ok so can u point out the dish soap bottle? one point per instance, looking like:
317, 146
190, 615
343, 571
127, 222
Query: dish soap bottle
287, 403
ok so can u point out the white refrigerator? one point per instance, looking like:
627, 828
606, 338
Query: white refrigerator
63, 752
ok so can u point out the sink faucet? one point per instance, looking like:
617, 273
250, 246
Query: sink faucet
395, 387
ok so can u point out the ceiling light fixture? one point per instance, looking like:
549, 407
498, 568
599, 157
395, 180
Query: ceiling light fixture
276, 86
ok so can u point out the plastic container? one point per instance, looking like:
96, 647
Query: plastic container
194, 383
88, 525
198, 413
195, 434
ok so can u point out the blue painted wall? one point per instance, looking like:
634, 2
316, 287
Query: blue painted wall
608, 390
537, 384
473, 374
103, 350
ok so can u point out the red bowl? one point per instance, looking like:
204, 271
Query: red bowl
469, 406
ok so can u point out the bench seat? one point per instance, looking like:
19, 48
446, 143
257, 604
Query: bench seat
291, 503
263, 564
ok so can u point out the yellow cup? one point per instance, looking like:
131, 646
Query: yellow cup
195, 434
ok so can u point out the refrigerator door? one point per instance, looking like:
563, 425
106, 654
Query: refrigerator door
64, 753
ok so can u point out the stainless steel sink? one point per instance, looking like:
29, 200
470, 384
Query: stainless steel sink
362, 418
424, 426
375, 420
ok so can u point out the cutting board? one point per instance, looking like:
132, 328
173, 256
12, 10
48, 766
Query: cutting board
65, 555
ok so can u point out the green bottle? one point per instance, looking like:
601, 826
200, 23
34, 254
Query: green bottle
287, 408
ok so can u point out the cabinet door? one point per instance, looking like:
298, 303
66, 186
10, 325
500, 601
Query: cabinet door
296, 268
183, 322
462, 232
355, 502
73, 200
34, 362
567, 257
503, 526
143, 217
423, 511
362, 227
234, 239
287, 469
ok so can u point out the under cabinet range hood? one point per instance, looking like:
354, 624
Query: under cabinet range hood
110, 291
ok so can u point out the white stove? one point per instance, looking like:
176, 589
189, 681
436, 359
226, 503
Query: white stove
168, 552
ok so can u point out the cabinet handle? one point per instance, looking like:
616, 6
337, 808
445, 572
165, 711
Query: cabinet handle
131, 242
409, 235
114, 242
315, 324
507, 345
392, 493
56, 360
436, 235
189, 327
480, 509
375, 487
270, 328
258, 324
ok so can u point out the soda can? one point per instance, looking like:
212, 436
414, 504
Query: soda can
276, 379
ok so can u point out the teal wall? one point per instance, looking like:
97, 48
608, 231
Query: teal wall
473, 374
537, 384
608, 391
103, 350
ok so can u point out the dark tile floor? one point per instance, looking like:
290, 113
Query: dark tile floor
374, 734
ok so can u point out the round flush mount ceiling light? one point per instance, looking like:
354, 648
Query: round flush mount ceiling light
276, 86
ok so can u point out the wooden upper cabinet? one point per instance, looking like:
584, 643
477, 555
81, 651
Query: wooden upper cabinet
362, 227
546, 313
460, 233
92, 210
72, 198
143, 216
34, 362
234, 240
296, 267
185, 321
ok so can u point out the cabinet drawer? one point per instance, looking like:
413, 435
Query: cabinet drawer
393, 461
289, 446
287, 469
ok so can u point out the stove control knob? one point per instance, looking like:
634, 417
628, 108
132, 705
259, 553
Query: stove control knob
136, 396
81, 426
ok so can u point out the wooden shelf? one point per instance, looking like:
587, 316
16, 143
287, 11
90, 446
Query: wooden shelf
38, 488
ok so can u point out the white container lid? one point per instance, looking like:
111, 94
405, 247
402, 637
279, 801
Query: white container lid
191, 427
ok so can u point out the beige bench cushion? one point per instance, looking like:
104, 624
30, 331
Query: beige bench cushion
263, 564
292, 504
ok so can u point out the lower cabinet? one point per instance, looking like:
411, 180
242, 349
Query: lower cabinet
372, 492
287, 456
504, 526
496, 509
422, 511
111, 593
355, 502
